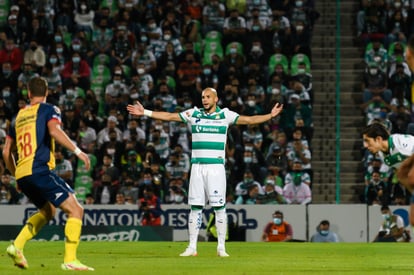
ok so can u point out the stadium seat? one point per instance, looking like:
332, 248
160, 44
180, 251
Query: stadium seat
277, 59
210, 48
299, 58
239, 47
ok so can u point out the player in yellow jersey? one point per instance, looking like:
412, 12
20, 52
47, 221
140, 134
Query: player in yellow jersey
33, 134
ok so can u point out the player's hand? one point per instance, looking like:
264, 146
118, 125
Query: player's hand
85, 158
277, 109
136, 109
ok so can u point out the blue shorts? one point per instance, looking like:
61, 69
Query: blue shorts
44, 187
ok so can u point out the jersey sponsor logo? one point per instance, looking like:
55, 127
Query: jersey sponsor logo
201, 129
177, 218
58, 195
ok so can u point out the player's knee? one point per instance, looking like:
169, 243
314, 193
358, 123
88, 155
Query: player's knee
48, 211
218, 208
196, 207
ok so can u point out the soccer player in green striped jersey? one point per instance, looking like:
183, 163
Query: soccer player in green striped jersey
209, 127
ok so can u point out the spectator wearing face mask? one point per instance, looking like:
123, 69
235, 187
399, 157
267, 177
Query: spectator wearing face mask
324, 234
248, 180
76, 72
296, 189
277, 230
208, 78
375, 84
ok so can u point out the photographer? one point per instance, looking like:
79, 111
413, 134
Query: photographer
150, 208
392, 229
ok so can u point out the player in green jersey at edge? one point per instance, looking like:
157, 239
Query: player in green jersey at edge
33, 134
208, 178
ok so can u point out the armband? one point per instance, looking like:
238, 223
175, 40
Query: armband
77, 151
147, 113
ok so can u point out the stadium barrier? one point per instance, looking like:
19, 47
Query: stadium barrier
352, 223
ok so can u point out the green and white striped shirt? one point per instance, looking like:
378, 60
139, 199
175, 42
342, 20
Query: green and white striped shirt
209, 133
400, 147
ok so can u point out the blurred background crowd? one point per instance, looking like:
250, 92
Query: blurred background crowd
100, 55
383, 28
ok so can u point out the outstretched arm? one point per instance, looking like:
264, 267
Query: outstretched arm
276, 110
138, 110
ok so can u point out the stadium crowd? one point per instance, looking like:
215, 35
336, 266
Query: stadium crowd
98, 56
383, 28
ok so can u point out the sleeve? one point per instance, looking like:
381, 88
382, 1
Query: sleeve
186, 115
54, 113
231, 116
12, 130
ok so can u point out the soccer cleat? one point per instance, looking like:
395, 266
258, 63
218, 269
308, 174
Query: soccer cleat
76, 265
189, 252
17, 256
222, 253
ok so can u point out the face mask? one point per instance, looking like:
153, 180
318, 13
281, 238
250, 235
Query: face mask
147, 181
207, 71
117, 82
75, 59
7, 73
59, 50
58, 39
385, 216
299, 28
255, 48
134, 96
179, 198
233, 50
275, 91
83, 7
324, 232
397, 5
6, 93
301, 71
158, 127
144, 38
248, 180
373, 71
128, 5
299, 4
247, 159
140, 71
187, 104
277, 221
256, 28
167, 37
251, 103
152, 26
76, 47
53, 60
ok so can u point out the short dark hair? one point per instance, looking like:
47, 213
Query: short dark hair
385, 207
324, 222
278, 212
376, 130
38, 86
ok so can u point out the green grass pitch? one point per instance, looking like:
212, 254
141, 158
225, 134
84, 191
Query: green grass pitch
245, 258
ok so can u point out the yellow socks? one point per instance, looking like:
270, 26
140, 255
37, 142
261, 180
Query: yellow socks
32, 227
73, 229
